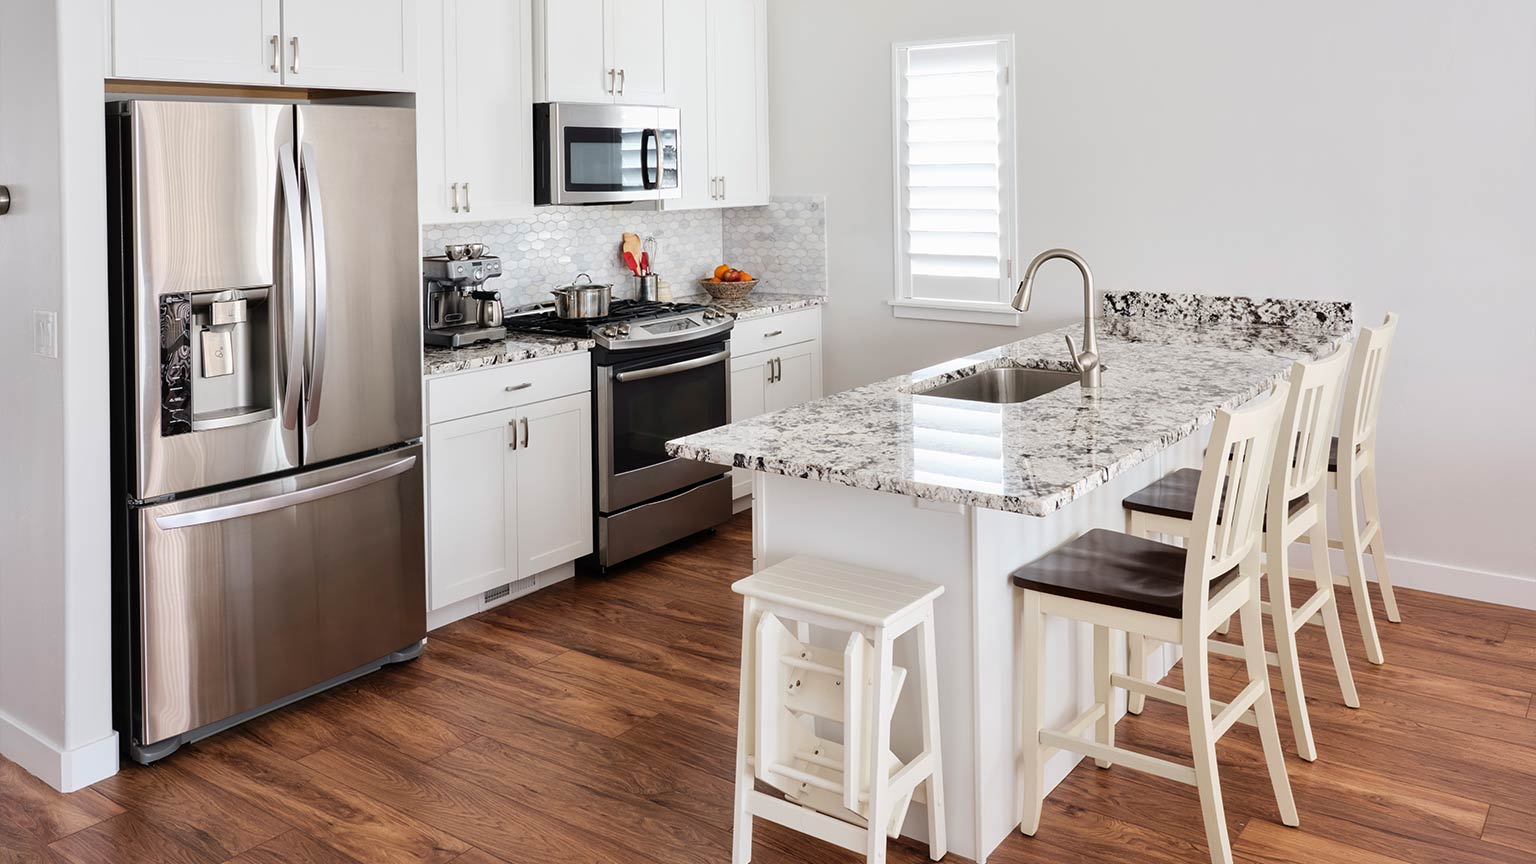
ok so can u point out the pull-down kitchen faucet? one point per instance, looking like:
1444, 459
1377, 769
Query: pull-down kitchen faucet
1086, 362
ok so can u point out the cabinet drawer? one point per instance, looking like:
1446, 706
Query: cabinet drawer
508, 386
775, 331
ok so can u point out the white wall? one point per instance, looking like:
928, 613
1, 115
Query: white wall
55, 674
1382, 151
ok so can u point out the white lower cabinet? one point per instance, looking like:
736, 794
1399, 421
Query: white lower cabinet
771, 381
509, 492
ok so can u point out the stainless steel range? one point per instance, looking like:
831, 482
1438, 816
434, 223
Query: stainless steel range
660, 371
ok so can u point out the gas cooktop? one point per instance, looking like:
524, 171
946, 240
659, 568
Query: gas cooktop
631, 324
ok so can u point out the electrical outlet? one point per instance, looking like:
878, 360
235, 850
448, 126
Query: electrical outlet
45, 334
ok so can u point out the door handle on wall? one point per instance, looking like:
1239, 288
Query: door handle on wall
5, 200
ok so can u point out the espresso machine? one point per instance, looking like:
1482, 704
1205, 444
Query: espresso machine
459, 310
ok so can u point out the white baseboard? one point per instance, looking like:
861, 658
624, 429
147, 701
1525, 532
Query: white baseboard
64, 770
1505, 589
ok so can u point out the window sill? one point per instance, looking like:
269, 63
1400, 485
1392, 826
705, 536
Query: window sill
956, 310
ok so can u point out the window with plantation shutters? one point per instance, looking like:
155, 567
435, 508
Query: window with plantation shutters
954, 178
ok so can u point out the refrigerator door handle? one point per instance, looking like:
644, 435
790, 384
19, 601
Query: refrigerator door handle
308, 171
294, 285
246, 509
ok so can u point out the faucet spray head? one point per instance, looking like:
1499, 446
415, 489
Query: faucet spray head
1025, 293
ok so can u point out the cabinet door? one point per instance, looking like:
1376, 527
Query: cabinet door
573, 55
354, 44
434, 66
554, 484
228, 42
688, 90
639, 32
796, 378
472, 506
488, 103
738, 86
749, 398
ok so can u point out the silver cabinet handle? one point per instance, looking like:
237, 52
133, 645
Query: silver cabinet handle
309, 172
612, 87
294, 66
512, 424
513, 388
5, 200
277, 54
286, 499
622, 76
295, 287
525, 433
455, 197
772, 333
466, 197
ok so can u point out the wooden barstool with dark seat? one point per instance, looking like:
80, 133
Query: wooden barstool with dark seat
1298, 499
1118, 582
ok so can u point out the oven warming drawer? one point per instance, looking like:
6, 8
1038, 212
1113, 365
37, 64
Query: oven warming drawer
648, 526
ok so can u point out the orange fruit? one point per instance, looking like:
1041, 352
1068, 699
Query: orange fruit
721, 271
743, 276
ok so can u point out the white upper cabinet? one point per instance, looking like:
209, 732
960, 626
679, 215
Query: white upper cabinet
228, 42
601, 51
352, 44
346, 44
721, 87
474, 110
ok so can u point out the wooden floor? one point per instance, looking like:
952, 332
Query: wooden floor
594, 722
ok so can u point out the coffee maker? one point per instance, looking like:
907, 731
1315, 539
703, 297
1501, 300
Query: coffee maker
458, 311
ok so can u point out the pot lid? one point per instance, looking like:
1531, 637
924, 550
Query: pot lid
579, 285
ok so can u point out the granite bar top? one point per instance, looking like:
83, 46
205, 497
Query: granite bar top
757, 304
1163, 381
521, 346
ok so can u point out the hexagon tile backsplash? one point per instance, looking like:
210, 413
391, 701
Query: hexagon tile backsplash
783, 244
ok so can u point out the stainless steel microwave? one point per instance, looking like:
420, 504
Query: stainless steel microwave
604, 154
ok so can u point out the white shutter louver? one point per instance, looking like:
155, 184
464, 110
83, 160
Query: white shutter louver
952, 147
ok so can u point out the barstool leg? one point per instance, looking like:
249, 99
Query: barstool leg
880, 747
1135, 702
1202, 740
1321, 573
1031, 696
1264, 709
1354, 563
1280, 613
938, 843
1103, 693
1378, 547
741, 832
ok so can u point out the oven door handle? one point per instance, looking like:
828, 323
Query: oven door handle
672, 368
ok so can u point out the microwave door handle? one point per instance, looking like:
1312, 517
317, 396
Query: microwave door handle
645, 159
246, 509
672, 368
312, 203
294, 285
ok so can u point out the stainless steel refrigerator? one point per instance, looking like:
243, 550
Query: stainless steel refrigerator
265, 302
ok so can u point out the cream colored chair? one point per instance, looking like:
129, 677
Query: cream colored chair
1119, 582
854, 792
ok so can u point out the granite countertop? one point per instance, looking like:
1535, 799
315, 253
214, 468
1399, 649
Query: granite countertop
756, 304
519, 346
1164, 379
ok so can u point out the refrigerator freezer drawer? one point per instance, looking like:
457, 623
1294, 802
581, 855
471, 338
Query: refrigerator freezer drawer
251, 595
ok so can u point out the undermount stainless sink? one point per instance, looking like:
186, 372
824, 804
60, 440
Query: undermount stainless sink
1005, 385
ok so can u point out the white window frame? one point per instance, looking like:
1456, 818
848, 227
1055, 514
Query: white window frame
995, 310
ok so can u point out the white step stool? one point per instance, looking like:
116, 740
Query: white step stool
833, 790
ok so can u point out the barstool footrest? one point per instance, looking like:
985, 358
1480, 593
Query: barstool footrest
1129, 758
1239, 708
1164, 693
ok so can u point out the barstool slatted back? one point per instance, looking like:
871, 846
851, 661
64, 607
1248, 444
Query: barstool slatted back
1229, 507
1309, 422
1362, 408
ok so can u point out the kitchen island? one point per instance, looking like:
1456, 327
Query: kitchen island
962, 492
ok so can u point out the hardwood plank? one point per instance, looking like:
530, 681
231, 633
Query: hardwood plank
478, 634
478, 856
32, 814
197, 813
685, 741
1069, 833
495, 816
1268, 843
628, 685
1510, 828
294, 847
354, 824
127, 839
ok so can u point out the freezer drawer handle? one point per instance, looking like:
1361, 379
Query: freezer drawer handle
672, 368
287, 499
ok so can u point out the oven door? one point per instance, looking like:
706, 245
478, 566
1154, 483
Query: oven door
611, 153
643, 404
